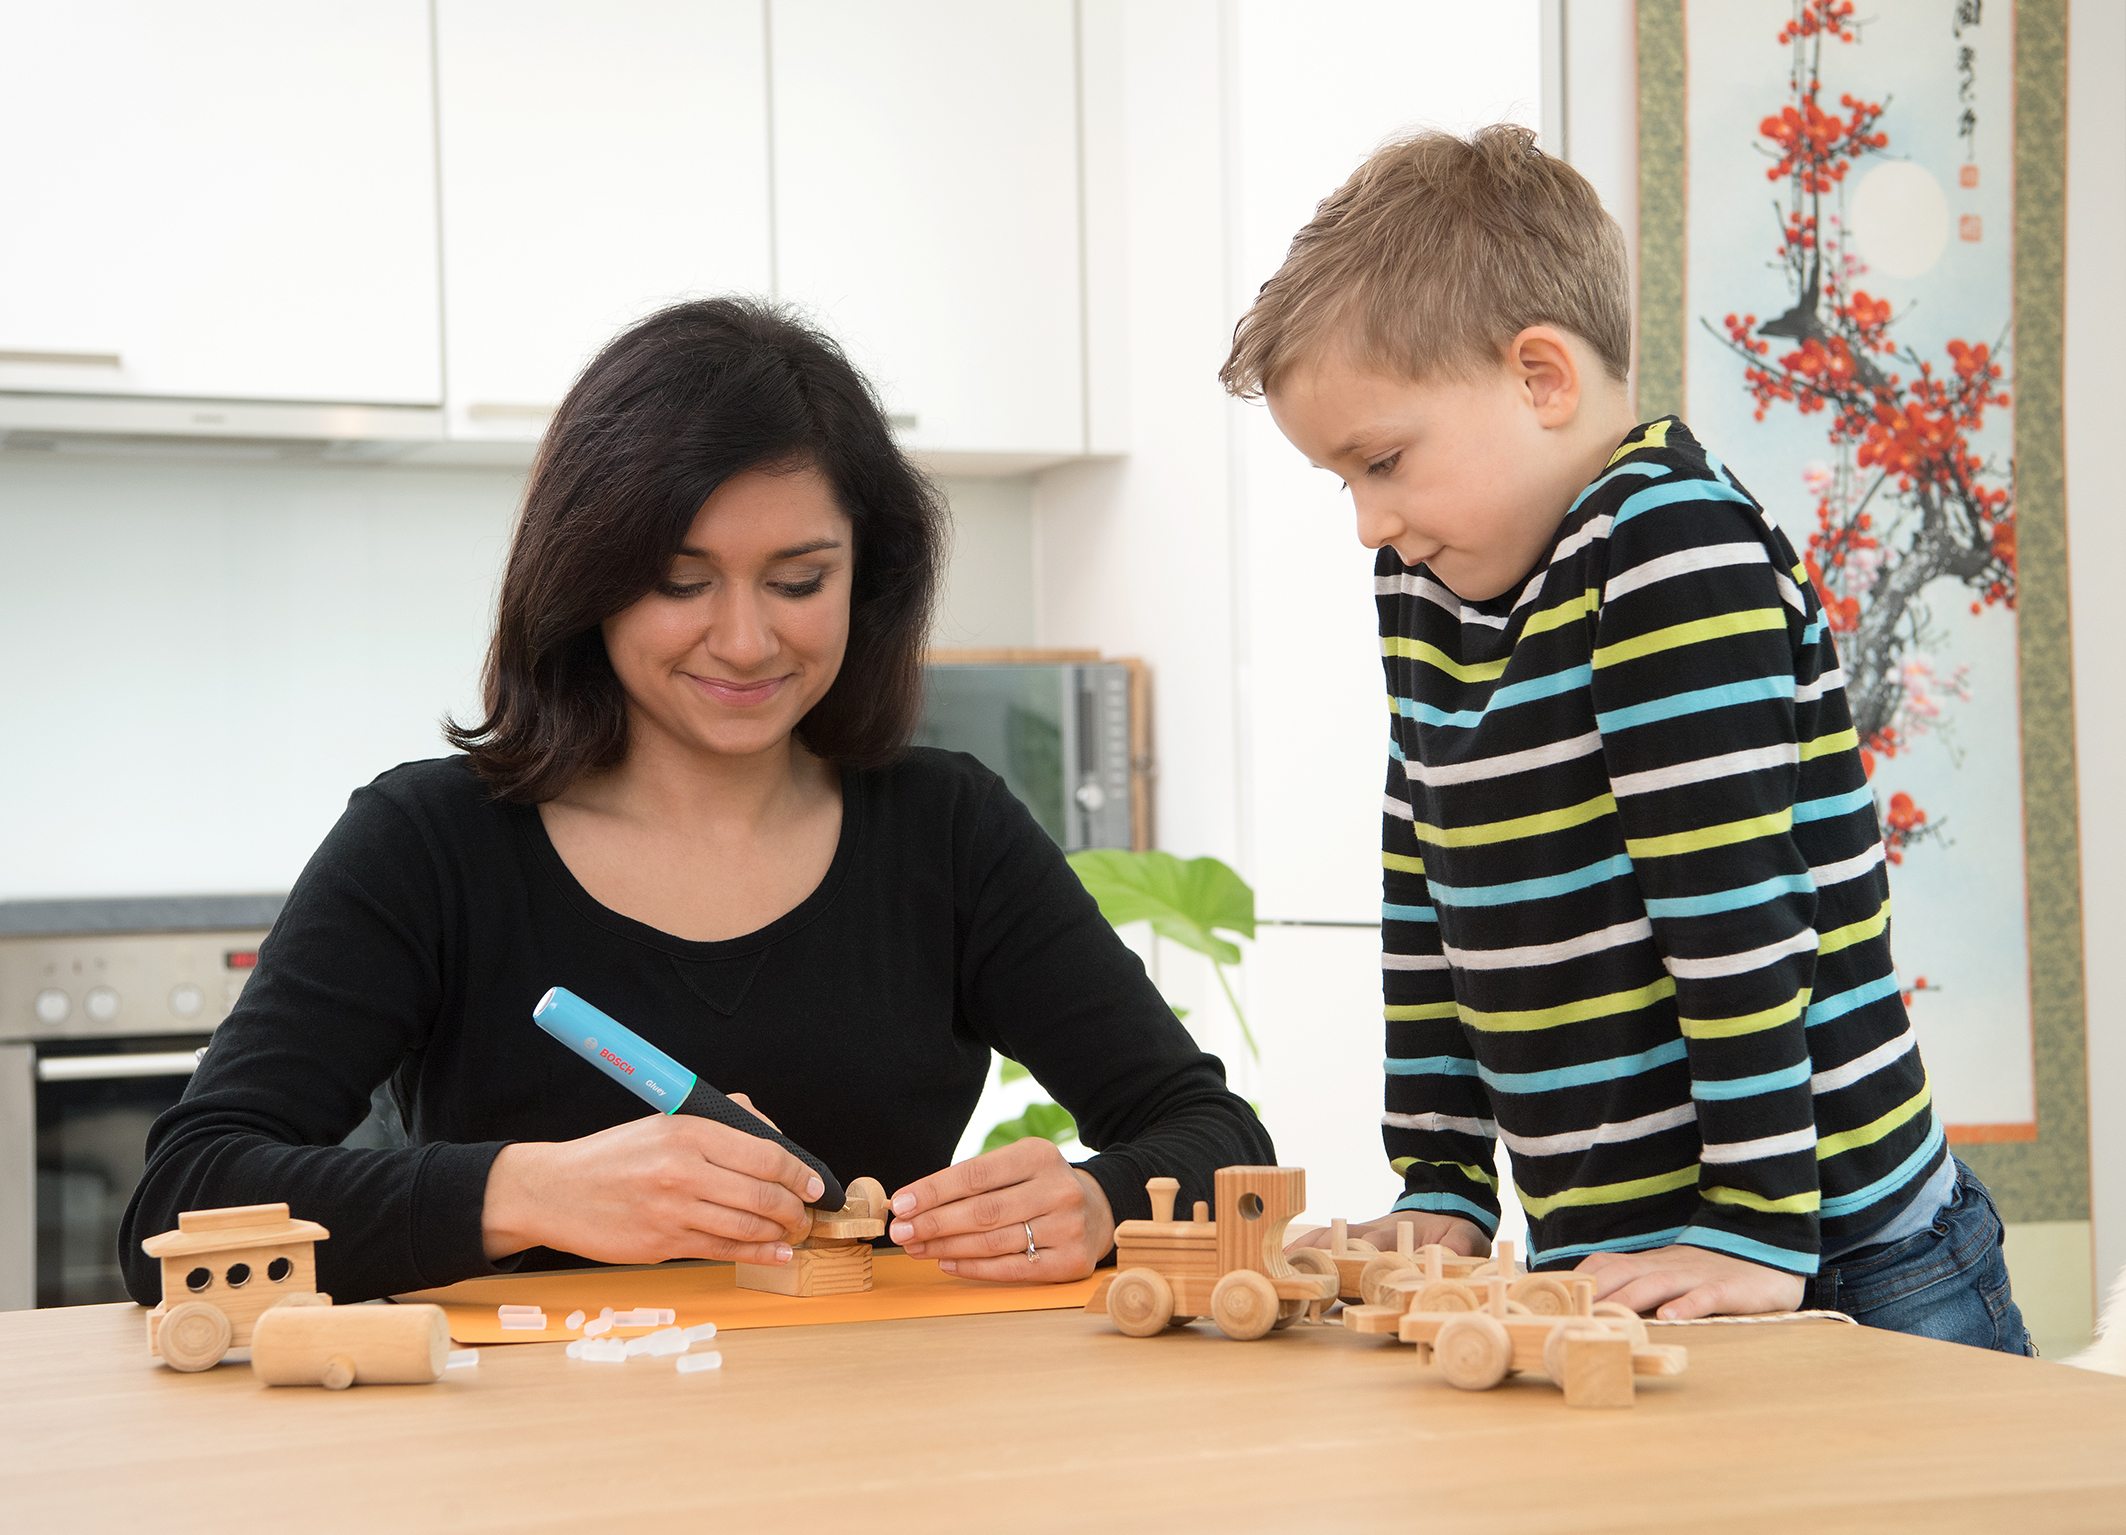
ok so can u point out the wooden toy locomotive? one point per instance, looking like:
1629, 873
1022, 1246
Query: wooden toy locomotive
1233, 1269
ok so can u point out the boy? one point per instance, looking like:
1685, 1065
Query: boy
1636, 917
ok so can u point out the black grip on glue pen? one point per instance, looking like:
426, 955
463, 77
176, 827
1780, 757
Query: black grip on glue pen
707, 1103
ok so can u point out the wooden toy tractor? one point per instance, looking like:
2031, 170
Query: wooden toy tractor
1481, 1331
1361, 1268
234, 1264
1233, 1269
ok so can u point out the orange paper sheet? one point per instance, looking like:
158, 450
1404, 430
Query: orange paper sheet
901, 1287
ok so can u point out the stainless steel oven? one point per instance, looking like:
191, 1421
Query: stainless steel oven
104, 1008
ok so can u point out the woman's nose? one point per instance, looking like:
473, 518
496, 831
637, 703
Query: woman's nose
741, 634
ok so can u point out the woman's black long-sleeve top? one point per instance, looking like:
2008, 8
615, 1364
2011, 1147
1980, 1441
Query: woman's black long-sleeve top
433, 918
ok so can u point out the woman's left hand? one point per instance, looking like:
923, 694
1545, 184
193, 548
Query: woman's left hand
975, 1217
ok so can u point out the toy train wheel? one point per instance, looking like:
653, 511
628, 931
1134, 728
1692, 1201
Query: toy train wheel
1634, 1324
1543, 1294
1554, 1347
1244, 1305
194, 1336
1473, 1350
1378, 1270
1446, 1295
1140, 1302
1311, 1260
1288, 1312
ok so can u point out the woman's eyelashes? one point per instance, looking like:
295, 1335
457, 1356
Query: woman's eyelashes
806, 586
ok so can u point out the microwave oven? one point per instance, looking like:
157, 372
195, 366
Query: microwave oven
1068, 732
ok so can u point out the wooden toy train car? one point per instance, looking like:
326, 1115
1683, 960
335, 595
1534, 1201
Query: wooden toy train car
1361, 1268
1481, 1331
1233, 1269
234, 1265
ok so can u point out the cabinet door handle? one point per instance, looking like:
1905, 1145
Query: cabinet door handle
85, 1068
62, 359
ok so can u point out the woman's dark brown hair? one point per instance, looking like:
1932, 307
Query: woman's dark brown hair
690, 397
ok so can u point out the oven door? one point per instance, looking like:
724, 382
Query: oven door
93, 1103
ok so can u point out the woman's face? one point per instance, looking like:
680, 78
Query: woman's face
748, 628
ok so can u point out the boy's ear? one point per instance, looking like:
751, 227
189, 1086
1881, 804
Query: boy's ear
1543, 364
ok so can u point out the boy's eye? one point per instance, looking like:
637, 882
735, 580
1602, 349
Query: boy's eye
1386, 465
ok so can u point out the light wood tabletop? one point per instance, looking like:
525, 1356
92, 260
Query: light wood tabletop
1053, 1421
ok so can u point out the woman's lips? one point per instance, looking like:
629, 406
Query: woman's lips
738, 694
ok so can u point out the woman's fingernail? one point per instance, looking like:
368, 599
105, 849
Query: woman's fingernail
948, 1266
782, 1253
901, 1231
902, 1203
814, 1189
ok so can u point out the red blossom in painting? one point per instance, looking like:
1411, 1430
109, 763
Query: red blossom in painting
1908, 502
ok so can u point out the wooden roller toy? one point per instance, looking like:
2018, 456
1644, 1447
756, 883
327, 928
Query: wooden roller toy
341, 1346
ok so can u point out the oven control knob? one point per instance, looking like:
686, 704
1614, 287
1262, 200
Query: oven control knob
53, 1005
101, 1004
186, 1000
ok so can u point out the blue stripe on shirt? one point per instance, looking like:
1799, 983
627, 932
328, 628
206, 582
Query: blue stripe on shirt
1732, 900
1450, 1202
1431, 1066
1833, 804
1749, 1087
1785, 1259
1590, 1072
1644, 1241
1505, 698
1392, 913
1698, 701
1846, 1204
1838, 1004
1656, 496
1532, 889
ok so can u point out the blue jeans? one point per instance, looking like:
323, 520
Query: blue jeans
1949, 1281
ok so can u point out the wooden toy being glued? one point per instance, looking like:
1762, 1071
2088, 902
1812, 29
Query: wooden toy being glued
1480, 1330
1233, 1269
227, 1268
1361, 1268
833, 1256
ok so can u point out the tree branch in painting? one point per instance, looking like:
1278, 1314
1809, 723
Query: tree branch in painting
1905, 502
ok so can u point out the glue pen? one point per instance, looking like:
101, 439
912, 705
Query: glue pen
615, 1049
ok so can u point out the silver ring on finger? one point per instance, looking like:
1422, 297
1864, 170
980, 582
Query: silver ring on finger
1032, 1252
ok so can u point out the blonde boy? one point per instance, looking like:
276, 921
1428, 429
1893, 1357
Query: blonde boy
1636, 920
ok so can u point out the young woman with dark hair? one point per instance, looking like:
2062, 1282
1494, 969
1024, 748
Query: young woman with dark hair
692, 802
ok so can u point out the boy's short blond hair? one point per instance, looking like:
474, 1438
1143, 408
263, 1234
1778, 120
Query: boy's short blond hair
1435, 254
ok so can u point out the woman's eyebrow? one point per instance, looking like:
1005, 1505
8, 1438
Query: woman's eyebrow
791, 553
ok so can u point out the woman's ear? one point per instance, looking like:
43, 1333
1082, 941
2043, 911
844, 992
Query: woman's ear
1543, 363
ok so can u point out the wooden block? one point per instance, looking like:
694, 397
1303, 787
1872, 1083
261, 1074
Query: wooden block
231, 1216
341, 1346
1597, 1369
838, 1270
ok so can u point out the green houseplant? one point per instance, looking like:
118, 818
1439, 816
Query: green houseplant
1190, 901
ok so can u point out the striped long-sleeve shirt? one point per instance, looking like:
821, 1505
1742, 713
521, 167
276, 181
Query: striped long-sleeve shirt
1637, 918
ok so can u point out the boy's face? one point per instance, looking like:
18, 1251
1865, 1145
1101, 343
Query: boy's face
1462, 476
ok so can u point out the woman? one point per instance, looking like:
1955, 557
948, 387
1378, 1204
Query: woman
691, 803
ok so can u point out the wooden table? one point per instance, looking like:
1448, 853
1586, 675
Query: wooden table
1052, 1421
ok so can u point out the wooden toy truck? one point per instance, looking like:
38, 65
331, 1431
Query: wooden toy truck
1479, 1332
833, 1257
1361, 1268
234, 1264
1233, 1269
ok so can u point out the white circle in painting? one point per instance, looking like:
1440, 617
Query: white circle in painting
1900, 218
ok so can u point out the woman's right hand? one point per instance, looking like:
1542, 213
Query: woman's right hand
663, 1186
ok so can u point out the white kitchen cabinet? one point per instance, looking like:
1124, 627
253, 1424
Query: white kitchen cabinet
598, 161
926, 209
228, 199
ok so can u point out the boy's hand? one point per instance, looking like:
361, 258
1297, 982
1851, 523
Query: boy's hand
1688, 1282
1449, 1231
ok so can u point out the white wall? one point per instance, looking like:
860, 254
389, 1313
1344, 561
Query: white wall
1211, 549
2096, 521
207, 656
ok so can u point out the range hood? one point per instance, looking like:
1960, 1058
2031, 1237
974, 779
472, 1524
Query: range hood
129, 426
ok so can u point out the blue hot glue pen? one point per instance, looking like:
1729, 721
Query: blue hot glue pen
660, 1081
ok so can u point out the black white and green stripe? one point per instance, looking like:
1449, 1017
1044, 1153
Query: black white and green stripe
1636, 918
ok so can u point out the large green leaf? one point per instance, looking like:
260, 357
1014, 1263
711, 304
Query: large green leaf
1189, 901
1009, 1070
1049, 1120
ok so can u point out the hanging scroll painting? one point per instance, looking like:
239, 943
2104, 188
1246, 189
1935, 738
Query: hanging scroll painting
1849, 285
